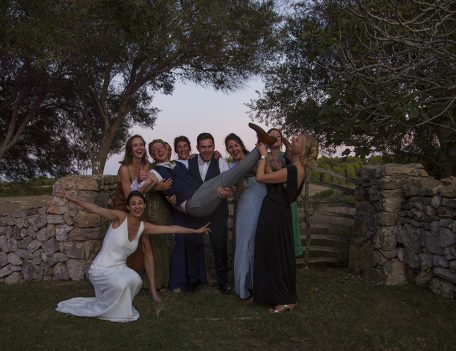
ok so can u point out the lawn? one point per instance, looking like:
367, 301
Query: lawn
336, 311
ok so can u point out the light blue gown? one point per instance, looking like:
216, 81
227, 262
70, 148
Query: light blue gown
248, 209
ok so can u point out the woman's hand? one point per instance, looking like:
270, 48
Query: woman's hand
142, 175
203, 229
172, 200
163, 185
225, 192
275, 164
262, 149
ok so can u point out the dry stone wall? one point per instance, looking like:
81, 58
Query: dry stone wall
57, 241
405, 223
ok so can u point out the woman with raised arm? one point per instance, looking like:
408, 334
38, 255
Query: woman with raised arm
134, 167
114, 283
274, 277
278, 159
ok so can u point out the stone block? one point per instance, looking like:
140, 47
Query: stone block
82, 234
31, 272
86, 220
76, 269
451, 203
391, 204
450, 252
60, 257
410, 237
440, 261
378, 259
395, 273
14, 278
14, 259
6, 231
42, 234
432, 243
385, 218
55, 219
84, 183
442, 288
18, 214
91, 248
74, 249
6, 220
436, 201
33, 246
447, 237
25, 255
452, 266
423, 278
51, 246
61, 272
448, 191
446, 274
37, 222
61, 232
411, 259
3, 259
386, 238
411, 169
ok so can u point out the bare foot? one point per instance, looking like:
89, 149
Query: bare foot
281, 308
154, 295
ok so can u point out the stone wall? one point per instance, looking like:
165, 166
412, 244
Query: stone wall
57, 241
405, 224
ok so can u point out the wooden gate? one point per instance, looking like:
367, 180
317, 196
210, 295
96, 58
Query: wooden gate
326, 225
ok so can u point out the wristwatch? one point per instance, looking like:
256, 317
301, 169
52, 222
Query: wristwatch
263, 157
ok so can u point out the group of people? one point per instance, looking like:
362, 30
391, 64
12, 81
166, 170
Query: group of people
191, 194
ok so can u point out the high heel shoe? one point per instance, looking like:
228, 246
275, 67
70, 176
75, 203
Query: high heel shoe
282, 308
263, 137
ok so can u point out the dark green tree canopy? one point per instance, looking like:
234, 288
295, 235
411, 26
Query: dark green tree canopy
102, 61
375, 75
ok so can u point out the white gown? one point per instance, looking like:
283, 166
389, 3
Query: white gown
115, 284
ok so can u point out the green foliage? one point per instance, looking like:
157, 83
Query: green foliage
81, 73
353, 74
39, 186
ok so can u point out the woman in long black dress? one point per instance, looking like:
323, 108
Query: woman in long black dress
274, 277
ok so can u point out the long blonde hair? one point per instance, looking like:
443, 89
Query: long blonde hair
309, 152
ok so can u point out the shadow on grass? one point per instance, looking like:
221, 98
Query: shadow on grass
336, 311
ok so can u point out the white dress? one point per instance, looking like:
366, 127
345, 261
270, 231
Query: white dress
115, 284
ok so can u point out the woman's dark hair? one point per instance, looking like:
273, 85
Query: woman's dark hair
181, 138
135, 193
128, 157
238, 140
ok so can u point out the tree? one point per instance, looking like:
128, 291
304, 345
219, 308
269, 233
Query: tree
32, 132
97, 64
375, 75
124, 52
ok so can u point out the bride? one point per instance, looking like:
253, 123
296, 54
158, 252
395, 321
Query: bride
115, 284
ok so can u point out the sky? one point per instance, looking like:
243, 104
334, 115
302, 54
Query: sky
193, 109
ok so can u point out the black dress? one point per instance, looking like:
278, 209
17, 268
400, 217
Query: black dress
274, 277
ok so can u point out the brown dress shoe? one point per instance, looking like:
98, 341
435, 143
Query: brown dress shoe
263, 137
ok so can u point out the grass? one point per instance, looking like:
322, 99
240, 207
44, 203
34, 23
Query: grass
39, 186
336, 311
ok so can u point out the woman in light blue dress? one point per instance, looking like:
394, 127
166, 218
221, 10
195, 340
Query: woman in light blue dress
247, 211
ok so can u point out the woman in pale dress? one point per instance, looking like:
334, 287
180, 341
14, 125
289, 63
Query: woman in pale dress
247, 211
114, 283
